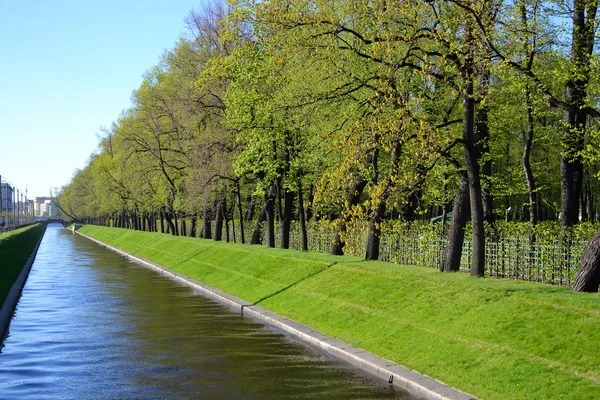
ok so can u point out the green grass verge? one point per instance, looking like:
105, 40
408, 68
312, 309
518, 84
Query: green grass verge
15, 248
496, 339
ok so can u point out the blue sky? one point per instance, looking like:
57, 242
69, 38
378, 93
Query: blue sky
66, 69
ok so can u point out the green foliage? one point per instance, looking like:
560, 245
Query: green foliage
334, 96
15, 248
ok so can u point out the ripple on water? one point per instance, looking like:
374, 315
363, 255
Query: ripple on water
91, 324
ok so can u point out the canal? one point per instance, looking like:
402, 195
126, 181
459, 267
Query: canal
92, 324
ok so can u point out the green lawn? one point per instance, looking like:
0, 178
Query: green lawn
15, 248
496, 339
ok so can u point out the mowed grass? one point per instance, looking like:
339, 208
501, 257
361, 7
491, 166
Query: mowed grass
15, 248
495, 339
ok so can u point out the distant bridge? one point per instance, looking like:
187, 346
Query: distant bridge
10, 224
49, 220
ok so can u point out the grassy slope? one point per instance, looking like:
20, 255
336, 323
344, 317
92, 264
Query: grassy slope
15, 248
496, 339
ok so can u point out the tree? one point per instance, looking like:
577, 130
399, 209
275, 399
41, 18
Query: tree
588, 274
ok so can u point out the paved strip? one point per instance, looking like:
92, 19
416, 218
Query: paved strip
413, 382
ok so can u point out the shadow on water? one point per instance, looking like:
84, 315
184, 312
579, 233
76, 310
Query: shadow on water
92, 324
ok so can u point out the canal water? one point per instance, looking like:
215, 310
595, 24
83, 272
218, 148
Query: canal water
93, 325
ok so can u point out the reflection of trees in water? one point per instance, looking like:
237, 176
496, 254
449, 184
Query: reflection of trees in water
179, 342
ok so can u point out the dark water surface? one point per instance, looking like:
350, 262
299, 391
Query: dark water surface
91, 324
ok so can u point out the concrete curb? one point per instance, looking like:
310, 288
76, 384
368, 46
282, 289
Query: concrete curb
10, 303
416, 384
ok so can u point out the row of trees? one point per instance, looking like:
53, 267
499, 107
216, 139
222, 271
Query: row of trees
376, 110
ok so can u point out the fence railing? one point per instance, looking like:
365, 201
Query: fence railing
545, 261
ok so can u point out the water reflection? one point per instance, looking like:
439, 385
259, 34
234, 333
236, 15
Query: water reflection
91, 324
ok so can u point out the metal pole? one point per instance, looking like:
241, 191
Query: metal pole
3, 207
27, 210
6, 216
14, 194
13, 207
1, 228
7, 198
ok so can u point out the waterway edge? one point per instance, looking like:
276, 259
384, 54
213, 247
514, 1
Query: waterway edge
12, 299
415, 383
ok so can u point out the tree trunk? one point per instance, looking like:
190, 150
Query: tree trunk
233, 201
175, 224
278, 207
170, 224
256, 234
531, 187
251, 205
310, 198
574, 119
486, 171
352, 199
444, 217
193, 223
584, 197
374, 236
588, 275
239, 201
414, 202
592, 208
206, 229
472, 164
162, 222
482, 143
337, 248
571, 170
219, 222
286, 220
456, 233
225, 218
378, 215
206, 223
302, 215
270, 214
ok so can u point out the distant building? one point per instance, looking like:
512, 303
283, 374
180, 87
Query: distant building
29, 207
7, 194
47, 208
43, 207
37, 202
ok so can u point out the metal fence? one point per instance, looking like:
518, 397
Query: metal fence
15, 207
546, 261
